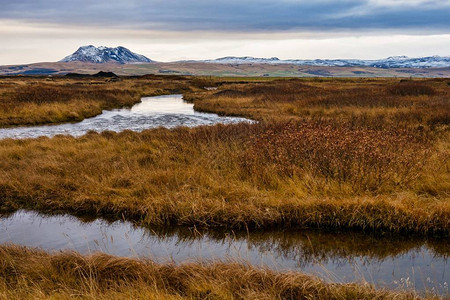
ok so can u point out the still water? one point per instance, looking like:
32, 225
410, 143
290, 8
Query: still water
162, 111
340, 257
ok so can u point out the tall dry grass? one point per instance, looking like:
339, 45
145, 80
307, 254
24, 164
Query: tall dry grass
383, 101
368, 160
34, 274
411, 88
235, 176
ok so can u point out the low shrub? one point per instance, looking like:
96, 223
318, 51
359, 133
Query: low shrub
368, 159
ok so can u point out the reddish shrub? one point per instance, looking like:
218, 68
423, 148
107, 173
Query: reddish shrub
368, 159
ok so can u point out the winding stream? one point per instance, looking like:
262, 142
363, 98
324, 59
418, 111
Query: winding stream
162, 111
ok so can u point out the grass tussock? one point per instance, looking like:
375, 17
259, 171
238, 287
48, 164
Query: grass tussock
34, 274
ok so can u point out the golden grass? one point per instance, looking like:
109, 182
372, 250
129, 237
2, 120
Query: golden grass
203, 176
383, 101
373, 156
34, 274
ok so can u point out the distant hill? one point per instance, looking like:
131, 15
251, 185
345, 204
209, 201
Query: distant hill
92, 54
217, 69
100, 74
390, 62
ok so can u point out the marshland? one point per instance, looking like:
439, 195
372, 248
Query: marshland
366, 157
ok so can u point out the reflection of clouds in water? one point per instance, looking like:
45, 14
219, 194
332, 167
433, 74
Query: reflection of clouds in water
162, 111
342, 257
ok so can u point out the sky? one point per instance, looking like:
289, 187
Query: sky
170, 30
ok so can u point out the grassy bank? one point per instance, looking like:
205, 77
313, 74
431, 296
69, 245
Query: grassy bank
327, 153
34, 274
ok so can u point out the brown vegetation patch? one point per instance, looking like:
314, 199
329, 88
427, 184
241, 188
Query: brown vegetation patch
42, 94
411, 88
416, 102
238, 176
368, 159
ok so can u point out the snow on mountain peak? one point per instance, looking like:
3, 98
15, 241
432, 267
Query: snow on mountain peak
245, 59
104, 54
398, 57
390, 62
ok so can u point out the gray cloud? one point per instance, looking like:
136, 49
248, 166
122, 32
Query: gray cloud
232, 15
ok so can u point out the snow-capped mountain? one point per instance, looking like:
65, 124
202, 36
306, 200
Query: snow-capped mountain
244, 60
102, 54
390, 62
407, 62
122, 55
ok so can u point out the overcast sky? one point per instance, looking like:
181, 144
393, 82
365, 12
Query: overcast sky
167, 30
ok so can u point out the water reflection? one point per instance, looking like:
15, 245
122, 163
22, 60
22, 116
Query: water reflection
343, 257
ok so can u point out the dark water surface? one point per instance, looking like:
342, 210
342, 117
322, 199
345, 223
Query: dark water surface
152, 112
341, 257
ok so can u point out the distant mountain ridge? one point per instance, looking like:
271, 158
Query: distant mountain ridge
123, 62
390, 62
92, 54
122, 55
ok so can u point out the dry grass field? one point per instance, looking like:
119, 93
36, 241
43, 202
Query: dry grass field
232, 176
319, 157
346, 154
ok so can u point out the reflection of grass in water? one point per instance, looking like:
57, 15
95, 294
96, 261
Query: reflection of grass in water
304, 246
314, 246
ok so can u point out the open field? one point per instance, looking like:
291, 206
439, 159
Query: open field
384, 101
34, 274
209, 69
343, 154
